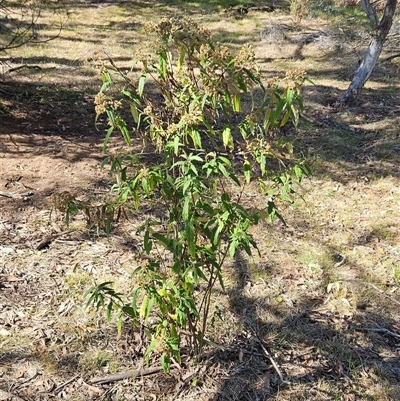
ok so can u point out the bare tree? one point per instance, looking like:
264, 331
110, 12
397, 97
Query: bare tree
381, 29
19, 21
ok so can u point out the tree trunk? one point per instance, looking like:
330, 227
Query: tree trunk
373, 52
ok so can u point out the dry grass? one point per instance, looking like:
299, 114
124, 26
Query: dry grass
314, 297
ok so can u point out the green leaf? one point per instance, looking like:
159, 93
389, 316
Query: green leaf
150, 348
130, 311
162, 62
124, 130
243, 131
198, 272
286, 198
196, 138
236, 103
187, 183
149, 307
142, 81
289, 97
241, 83
104, 162
247, 171
296, 115
254, 79
206, 207
148, 244
285, 119
165, 362
175, 144
181, 59
227, 137
173, 343
273, 212
232, 248
164, 241
107, 138
134, 112
143, 308
106, 79
262, 161
275, 115
109, 310
145, 186
298, 172
185, 209
119, 323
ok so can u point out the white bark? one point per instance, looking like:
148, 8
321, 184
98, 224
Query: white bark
371, 13
373, 52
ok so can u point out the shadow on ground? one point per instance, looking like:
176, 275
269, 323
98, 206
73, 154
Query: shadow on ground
314, 349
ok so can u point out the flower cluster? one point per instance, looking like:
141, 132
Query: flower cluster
103, 102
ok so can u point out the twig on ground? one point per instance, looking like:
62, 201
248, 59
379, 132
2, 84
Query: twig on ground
274, 364
61, 386
130, 374
5, 92
20, 67
25, 382
269, 356
245, 10
15, 196
49, 239
384, 331
106, 394
383, 293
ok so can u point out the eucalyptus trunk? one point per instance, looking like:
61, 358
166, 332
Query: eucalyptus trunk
374, 50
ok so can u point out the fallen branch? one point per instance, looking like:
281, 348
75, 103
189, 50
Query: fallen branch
130, 374
245, 10
15, 196
20, 67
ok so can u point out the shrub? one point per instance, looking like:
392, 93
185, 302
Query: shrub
216, 128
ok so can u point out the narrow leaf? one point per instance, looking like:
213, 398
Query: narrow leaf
107, 138
236, 103
134, 112
143, 308
247, 171
142, 81
181, 59
227, 137
147, 242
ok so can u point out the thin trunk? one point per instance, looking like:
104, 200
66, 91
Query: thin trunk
371, 13
373, 52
